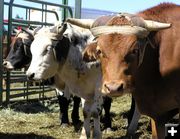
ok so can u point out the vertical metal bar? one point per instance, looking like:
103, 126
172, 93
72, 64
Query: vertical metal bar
46, 13
26, 13
43, 92
27, 90
64, 11
1, 47
29, 14
78, 9
42, 12
24, 82
9, 42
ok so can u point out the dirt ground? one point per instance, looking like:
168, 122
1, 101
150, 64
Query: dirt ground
35, 120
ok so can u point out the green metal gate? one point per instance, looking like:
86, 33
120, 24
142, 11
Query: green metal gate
16, 76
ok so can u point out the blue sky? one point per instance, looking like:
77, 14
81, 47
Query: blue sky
131, 6
109, 5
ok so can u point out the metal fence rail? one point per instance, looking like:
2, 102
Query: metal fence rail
53, 4
19, 76
1, 45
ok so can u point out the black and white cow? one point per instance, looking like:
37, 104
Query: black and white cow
57, 52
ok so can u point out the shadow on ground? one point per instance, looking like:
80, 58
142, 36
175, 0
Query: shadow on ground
32, 106
23, 136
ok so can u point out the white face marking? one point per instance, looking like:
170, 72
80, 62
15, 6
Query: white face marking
43, 64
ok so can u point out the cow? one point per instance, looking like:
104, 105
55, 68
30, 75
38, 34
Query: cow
20, 57
139, 53
57, 51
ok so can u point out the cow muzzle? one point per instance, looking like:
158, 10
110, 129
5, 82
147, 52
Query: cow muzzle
30, 76
34, 76
113, 88
8, 65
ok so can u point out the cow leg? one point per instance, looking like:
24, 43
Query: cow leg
158, 128
64, 100
63, 104
85, 133
107, 117
133, 124
177, 98
154, 129
131, 111
75, 112
96, 111
133, 118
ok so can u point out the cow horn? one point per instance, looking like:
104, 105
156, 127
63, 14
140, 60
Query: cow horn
128, 30
85, 23
155, 26
16, 30
30, 32
62, 29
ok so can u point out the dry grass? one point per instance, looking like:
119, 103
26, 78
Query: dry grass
33, 120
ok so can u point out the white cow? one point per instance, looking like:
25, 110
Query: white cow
59, 54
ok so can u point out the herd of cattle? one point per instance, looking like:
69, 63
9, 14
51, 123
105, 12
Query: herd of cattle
107, 57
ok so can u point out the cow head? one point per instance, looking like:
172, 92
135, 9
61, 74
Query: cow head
44, 62
120, 48
20, 55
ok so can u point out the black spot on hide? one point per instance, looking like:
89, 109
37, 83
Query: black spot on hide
62, 49
76, 39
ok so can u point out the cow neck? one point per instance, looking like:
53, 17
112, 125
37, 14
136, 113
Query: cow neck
148, 72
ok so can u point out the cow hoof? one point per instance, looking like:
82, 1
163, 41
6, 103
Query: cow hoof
107, 130
64, 125
83, 137
129, 136
77, 122
97, 136
77, 125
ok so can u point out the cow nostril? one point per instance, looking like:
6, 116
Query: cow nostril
120, 88
31, 76
114, 87
106, 86
4, 63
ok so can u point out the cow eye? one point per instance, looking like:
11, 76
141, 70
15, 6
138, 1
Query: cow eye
132, 55
135, 51
98, 52
46, 50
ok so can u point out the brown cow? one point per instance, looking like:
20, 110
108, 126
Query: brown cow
142, 56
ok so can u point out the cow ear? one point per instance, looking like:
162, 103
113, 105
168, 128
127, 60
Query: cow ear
89, 54
34, 32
